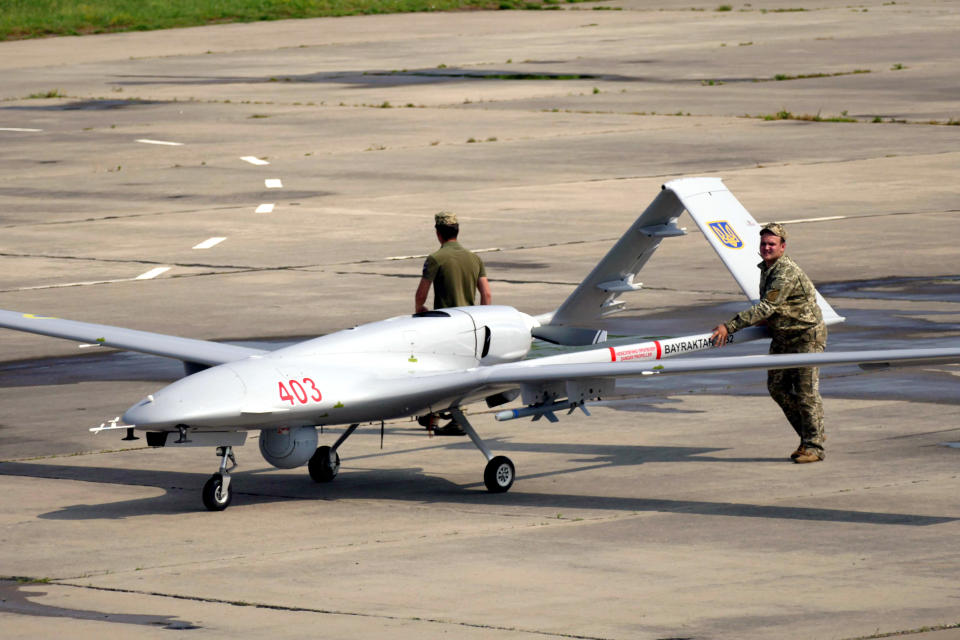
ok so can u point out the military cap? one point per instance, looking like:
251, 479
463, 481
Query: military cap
776, 229
445, 217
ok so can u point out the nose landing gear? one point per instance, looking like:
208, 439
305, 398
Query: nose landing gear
217, 493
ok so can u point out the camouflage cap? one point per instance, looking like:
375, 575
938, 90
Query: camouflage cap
775, 228
445, 217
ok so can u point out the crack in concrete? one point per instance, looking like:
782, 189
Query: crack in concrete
298, 609
121, 217
14, 600
909, 632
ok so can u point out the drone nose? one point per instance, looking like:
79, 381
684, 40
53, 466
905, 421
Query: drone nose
141, 413
209, 398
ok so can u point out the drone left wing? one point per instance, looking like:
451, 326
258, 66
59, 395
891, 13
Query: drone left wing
191, 350
529, 372
554, 387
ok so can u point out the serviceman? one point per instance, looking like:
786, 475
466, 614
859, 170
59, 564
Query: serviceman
456, 274
788, 307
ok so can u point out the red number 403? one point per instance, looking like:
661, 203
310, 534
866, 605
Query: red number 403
300, 393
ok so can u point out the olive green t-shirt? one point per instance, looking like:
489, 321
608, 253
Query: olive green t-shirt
454, 272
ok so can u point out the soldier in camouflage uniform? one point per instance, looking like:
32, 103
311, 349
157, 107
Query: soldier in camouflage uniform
788, 306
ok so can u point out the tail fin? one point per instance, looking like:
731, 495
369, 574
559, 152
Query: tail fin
727, 226
597, 296
732, 232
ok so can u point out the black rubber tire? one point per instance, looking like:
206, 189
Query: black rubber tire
214, 498
322, 468
499, 475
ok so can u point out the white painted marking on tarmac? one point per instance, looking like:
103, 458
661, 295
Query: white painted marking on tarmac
208, 243
165, 142
273, 183
153, 273
423, 255
72, 284
87, 283
18, 129
953, 373
265, 208
824, 219
254, 160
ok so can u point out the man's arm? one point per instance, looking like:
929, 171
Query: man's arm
420, 297
778, 290
483, 286
429, 274
757, 314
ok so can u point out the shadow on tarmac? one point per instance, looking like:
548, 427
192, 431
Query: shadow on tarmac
15, 598
182, 494
379, 78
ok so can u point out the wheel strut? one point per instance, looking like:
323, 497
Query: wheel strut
324, 464
217, 493
499, 473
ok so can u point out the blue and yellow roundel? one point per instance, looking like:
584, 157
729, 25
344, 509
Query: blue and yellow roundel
727, 235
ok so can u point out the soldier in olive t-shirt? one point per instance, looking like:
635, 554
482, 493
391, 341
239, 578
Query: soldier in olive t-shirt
455, 272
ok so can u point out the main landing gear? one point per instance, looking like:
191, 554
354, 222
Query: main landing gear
217, 493
499, 473
325, 462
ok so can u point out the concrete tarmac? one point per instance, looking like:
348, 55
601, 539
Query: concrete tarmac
274, 181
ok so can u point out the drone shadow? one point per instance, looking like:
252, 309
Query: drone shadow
181, 494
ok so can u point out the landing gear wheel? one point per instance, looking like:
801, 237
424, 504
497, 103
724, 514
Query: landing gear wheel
215, 498
324, 464
499, 474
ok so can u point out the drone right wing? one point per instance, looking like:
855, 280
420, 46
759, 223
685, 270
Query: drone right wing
203, 352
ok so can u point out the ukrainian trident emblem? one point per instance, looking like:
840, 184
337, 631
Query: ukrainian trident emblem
726, 234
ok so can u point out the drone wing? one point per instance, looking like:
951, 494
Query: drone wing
531, 371
547, 387
202, 352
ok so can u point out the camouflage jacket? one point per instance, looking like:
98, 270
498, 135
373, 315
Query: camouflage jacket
788, 302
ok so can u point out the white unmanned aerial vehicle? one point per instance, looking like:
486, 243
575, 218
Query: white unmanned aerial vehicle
438, 361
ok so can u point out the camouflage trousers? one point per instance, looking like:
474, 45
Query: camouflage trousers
797, 391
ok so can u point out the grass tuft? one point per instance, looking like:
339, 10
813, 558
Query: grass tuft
805, 76
53, 93
783, 114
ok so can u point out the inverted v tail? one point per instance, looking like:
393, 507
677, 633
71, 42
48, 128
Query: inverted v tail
725, 223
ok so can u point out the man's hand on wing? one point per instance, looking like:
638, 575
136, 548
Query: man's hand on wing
720, 335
